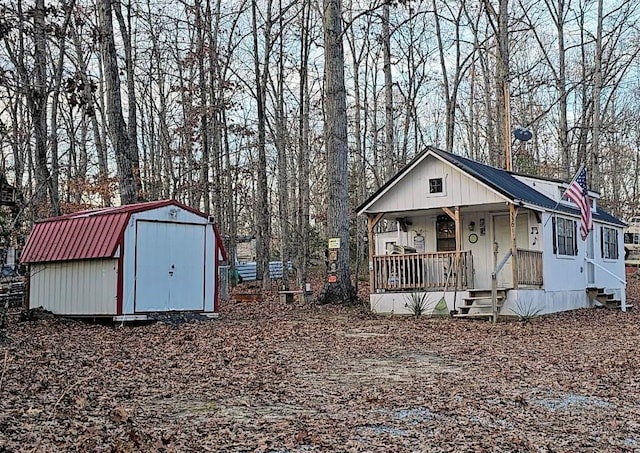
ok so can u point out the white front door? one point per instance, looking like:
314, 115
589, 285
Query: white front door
502, 244
170, 268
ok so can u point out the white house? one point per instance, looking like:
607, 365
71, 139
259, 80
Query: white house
492, 242
125, 262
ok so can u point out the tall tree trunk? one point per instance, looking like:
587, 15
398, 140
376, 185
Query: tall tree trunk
133, 156
391, 163
216, 100
502, 84
126, 162
203, 108
594, 163
360, 178
335, 105
94, 107
263, 229
561, 83
450, 109
303, 147
586, 105
281, 146
37, 102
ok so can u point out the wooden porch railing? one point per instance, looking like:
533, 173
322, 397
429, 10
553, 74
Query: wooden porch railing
529, 267
415, 271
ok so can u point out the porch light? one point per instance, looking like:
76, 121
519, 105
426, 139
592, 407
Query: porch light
472, 226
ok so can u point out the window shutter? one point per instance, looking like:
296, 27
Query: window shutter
553, 234
602, 241
616, 253
575, 238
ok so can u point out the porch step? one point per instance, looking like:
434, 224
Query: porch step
479, 292
606, 300
479, 303
473, 315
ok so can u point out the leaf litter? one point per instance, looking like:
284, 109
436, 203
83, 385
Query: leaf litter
275, 377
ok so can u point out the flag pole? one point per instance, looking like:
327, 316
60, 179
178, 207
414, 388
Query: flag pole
564, 193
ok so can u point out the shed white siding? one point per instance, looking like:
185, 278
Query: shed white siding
84, 287
412, 191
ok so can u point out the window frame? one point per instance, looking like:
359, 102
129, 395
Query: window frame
609, 243
439, 181
445, 234
565, 237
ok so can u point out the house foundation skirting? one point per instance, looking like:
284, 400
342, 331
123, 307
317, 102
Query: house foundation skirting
518, 302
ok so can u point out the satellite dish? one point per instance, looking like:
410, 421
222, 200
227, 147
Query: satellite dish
523, 134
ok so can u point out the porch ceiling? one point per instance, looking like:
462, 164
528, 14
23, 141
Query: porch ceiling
491, 208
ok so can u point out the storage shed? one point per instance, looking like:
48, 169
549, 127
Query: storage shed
125, 262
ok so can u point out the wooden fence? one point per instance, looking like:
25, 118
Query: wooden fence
529, 267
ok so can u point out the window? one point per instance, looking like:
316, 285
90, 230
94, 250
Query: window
609, 243
565, 237
388, 247
435, 185
632, 238
445, 234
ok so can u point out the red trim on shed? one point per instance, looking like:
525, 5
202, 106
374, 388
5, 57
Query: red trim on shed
218, 249
220, 243
216, 270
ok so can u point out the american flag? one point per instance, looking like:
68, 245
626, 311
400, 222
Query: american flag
579, 194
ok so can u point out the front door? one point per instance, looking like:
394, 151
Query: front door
502, 244
169, 266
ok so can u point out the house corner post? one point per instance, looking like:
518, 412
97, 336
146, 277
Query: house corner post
458, 220
513, 213
371, 223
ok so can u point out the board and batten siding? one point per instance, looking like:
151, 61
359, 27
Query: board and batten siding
412, 191
82, 287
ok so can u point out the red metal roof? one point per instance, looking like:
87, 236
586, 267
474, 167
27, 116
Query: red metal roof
85, 234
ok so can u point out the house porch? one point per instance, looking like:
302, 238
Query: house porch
399, 278
434, 271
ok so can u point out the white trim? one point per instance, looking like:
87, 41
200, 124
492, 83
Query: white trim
390, 186
125, 318
430, 152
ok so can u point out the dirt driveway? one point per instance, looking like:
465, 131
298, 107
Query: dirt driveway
285, 378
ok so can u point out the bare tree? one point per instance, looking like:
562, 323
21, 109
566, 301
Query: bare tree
263, 222
302, 158
337, 152
126, 156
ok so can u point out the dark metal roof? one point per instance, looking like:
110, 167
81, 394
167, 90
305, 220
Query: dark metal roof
88, 234
502, 181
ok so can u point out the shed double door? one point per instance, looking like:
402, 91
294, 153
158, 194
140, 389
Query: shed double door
170, 266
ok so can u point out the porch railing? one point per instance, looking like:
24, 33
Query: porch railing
529, 267
414, 271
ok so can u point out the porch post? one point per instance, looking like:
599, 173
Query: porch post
513, 212
455, 215
372, 221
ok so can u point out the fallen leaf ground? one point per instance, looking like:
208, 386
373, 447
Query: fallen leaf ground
273, 377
